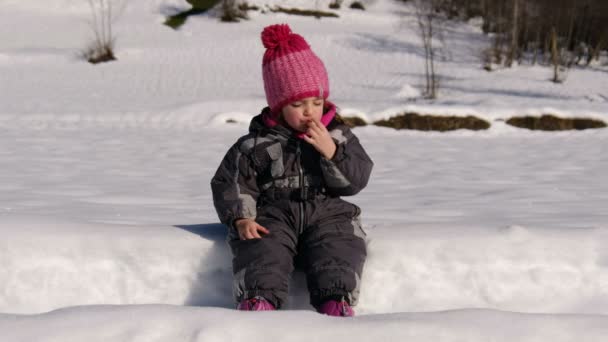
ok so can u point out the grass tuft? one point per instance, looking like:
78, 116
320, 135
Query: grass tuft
433, 122
550, 122
99, 53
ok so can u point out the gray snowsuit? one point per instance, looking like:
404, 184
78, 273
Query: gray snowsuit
282, 182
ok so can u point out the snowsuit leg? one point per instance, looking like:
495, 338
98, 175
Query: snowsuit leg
332, 251
262, 267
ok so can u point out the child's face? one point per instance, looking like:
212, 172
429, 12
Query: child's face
297, 114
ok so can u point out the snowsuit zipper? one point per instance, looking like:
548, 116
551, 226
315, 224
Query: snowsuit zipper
300, 226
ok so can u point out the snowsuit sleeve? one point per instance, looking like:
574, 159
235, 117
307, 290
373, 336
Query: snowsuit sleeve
349, 170
234, 187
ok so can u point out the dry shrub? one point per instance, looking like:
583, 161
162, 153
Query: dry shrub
550, 122
103, 14
99, 53
306, 13
232, 12
434, 123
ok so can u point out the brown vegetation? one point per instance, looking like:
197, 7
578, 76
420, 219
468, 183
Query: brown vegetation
549, 122
433, 122
232, 11
308, 13
99, 54
336, 4
357, 5
353, 121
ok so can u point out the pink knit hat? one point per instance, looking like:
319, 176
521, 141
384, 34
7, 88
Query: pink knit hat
291, 70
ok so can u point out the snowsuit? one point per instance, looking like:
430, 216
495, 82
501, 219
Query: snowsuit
282, 182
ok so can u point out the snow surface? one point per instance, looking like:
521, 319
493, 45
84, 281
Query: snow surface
109, 233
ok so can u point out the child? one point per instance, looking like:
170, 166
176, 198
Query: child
278, 188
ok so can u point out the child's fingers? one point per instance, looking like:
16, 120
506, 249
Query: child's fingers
320, 129
242, 233
313, 131
250, 231
309, 139
319, 125
314, 124
311, 134
246, 235
263, 230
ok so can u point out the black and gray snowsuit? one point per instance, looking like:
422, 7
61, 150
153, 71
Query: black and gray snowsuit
287, 187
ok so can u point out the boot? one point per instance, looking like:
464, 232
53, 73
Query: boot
257, 303
339, 308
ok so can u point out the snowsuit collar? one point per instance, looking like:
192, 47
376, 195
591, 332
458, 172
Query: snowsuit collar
268, 120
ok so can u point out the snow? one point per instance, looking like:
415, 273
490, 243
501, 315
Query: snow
108, 227
170, 323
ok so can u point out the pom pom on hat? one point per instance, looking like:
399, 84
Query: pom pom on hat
273, 35
291, 70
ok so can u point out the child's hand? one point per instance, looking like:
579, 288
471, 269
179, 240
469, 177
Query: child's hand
249, 229
318, 136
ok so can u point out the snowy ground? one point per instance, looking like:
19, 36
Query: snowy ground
105, 198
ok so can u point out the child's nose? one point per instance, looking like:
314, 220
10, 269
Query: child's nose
307, 110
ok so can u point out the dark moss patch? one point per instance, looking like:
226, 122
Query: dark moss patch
336, 4
433, 122
177, 20
306, 13
549, 122
353, 121
198, 7
203, 4
357, 5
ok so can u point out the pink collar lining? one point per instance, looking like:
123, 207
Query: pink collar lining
271, 120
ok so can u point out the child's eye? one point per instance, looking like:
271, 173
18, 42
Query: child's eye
318, 104
296, 104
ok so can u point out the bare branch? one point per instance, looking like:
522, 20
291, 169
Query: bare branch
103, 16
